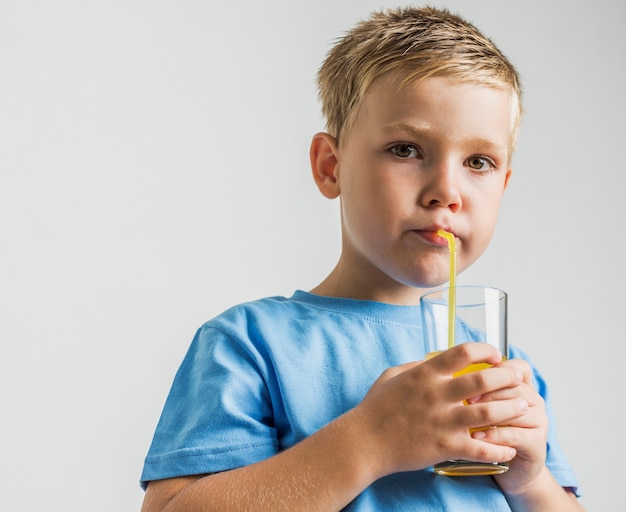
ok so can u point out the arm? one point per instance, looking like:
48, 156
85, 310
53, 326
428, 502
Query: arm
322, 473
528, 485
412, 417
544, 494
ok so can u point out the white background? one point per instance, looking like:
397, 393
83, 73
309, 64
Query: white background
154, 171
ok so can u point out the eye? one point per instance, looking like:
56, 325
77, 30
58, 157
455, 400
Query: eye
480, 163
404, 150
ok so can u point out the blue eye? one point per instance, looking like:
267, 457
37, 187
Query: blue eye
405, 151
480, 163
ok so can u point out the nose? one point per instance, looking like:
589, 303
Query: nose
442, 187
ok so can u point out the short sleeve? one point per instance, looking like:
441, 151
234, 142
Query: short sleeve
218, 414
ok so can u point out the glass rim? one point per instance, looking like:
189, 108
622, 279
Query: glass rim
462, 297
465, 287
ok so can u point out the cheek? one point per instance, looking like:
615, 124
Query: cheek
372, 215
483, 225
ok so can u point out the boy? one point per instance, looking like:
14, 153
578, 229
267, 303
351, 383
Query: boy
321, 401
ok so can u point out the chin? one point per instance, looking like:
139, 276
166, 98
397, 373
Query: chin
427, 283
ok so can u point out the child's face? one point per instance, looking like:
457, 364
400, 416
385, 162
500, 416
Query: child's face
418, 159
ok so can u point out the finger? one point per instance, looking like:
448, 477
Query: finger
496, 435
536, 403
490, 452
477, 386
506, 393
459, 357
521, 366
505, 436
487, 414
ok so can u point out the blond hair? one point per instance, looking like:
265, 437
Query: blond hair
414, 44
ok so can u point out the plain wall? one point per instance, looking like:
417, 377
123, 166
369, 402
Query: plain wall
154, 171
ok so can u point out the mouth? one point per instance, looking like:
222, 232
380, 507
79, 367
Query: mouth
430, 235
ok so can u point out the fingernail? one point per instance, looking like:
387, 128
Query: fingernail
479, 434
524, 405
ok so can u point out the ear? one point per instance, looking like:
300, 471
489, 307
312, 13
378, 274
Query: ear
324, 164
507, 178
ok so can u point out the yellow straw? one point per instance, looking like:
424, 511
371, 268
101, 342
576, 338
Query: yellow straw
452, 289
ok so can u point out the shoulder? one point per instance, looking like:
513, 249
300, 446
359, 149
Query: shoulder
248, 324
271, 313
253, 313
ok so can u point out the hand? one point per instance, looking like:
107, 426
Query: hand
526, 433
414, 415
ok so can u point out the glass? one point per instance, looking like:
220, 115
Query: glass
480, 315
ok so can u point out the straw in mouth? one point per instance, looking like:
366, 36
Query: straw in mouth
452, 285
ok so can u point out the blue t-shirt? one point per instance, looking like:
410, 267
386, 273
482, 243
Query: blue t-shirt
264, 375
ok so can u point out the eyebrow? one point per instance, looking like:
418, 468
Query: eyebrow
412, 129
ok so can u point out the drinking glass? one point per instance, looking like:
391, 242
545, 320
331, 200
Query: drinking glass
480, 315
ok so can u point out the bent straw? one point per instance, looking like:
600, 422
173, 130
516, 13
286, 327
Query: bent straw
452, 289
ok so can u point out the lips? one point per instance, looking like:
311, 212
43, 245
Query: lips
430, 235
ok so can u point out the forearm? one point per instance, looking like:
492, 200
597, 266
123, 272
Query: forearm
543, 495
322, 473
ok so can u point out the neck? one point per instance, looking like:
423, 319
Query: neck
340, 283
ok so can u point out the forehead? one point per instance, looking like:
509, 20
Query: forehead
440, 104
